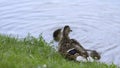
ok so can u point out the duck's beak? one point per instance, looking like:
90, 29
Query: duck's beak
70, 30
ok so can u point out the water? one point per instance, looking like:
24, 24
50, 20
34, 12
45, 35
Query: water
95, 23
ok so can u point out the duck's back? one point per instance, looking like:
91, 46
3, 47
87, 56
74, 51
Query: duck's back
77, 45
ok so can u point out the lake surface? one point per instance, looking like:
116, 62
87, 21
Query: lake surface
95, 23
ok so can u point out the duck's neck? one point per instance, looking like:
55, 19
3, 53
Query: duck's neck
66, 36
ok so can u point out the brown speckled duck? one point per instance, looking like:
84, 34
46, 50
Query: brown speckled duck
94, 54
77, 47
69, 48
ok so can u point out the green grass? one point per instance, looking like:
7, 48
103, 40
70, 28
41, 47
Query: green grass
32, 52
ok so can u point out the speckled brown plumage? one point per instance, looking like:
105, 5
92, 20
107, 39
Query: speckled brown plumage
66, 43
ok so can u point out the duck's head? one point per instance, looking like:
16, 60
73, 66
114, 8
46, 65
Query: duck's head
66, 31
57, 35
95, 55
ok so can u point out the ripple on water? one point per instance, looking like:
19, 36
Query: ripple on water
95, 24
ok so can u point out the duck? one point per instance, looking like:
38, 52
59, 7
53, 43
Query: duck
74, 52
94, 54
69, 48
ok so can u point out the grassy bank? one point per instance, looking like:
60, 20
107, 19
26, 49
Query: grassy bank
32, 52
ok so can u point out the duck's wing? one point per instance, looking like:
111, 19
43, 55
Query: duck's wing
77, 45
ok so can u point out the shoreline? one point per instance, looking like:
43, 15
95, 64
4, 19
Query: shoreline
36, 53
